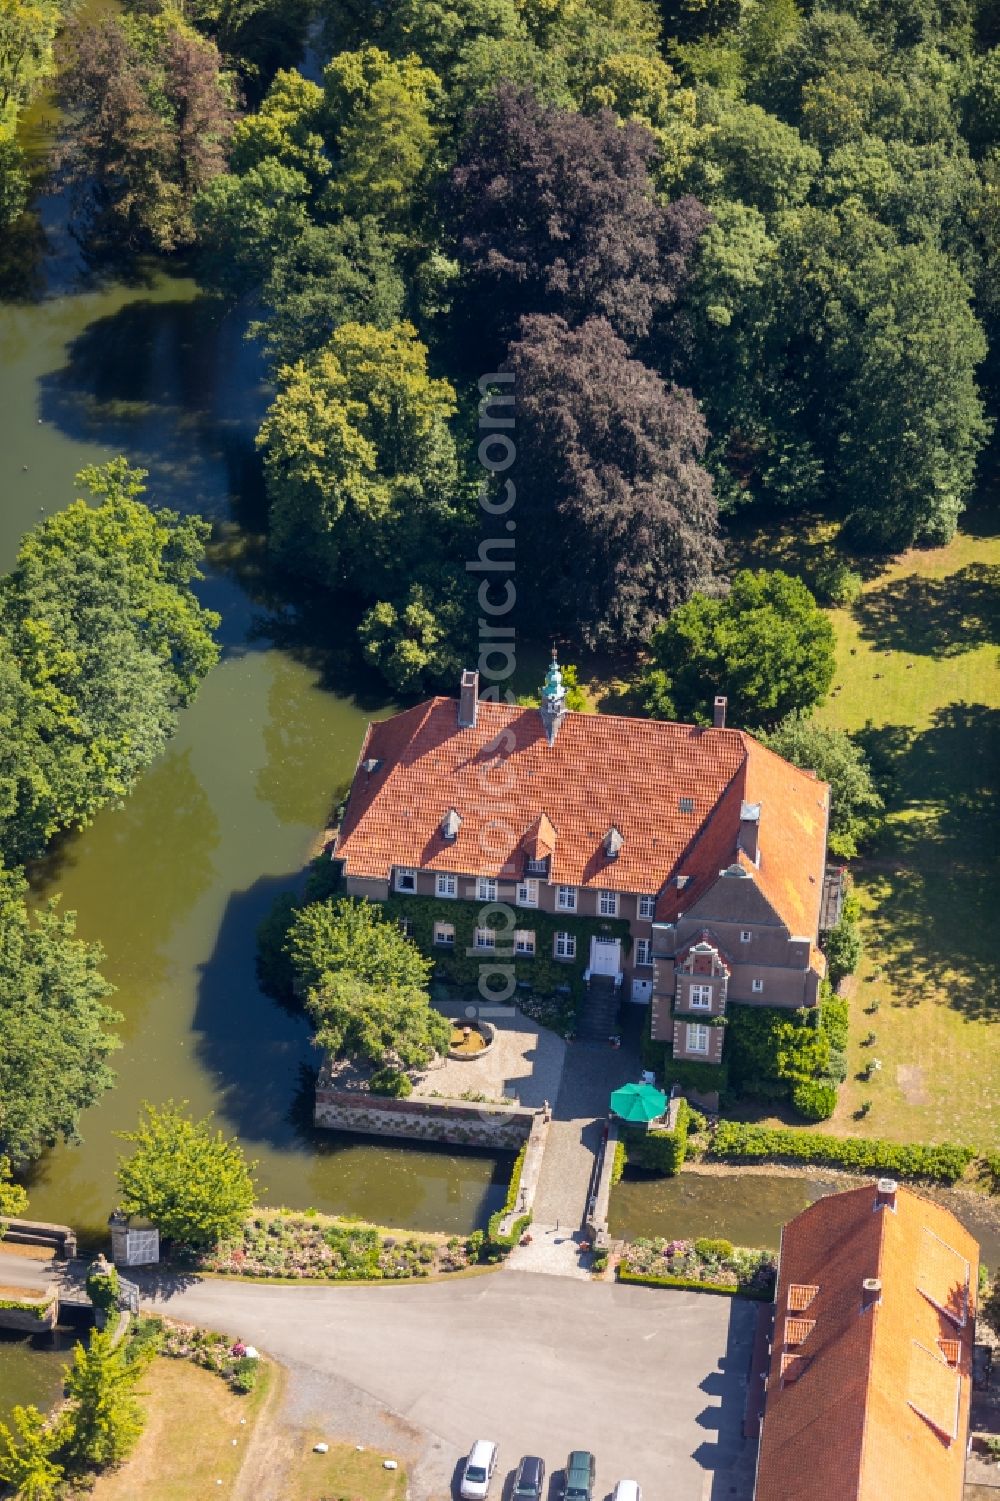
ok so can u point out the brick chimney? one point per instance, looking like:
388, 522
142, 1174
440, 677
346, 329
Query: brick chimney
468, 700
719, 711
871, 1293
885, 1197
749, 840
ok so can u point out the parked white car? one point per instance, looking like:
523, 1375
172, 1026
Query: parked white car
627, 1490
478, 1472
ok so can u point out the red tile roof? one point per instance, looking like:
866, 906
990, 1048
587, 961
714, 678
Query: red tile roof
877, 1413
674, 791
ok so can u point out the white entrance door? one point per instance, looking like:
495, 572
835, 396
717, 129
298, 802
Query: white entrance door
642, 991
605, 955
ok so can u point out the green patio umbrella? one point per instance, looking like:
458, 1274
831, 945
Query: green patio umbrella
638, 1102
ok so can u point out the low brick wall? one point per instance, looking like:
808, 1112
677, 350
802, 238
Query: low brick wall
596, 1221
531, 1170
451, 1122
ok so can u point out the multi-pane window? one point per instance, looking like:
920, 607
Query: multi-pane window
745, 935
527, 893
607, 903
756, 986
406, 927
564, 946
446, 885
524, 940
566, 898
486, 939
444, 933
700, 997
697, 1038
643, 951
538, 867
406, 879
486, 889
647, 906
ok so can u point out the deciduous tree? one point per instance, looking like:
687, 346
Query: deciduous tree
365, 985
103, 1419
855, 804
622, 514
554, 212
54, 1037
193, 1183
766, 645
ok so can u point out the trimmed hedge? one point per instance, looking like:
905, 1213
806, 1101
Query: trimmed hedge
941, 1164
642, 1279
495, 1242
658, 1151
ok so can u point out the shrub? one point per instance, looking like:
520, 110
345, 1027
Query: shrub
618, 1166
658, 1151
815, 1100
843, 946
703, 1078
244, 1373
717, 1249
391, 1081
942, 1164
835, 583
834, 1014
103, 1287
496, 1243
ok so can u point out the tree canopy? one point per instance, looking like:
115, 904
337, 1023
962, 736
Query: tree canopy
855, 803
364, 985
609, 456
55, 1042
193, 1183
765, 644
102, 640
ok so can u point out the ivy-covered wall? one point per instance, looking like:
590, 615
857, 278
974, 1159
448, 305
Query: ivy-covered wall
544, 974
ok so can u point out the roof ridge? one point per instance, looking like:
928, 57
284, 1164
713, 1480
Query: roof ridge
870, 1365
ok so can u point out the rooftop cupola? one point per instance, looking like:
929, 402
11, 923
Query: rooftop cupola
553, 708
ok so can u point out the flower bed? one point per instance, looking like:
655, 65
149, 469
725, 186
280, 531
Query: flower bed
274, 1243
700, 1265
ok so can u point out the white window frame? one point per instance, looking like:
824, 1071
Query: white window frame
485, 939
607, 903
444, 935
537, 867
566, 898
564, 945
700, 997
745, 935
527, 893
643, 952
406, 926
408, 874
757, 986
486, 889
647, 906
702, 1033
445, 884
524, 942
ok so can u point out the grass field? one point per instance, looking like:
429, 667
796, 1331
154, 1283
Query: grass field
203, 1440
192, 1420
918, 676
918, 679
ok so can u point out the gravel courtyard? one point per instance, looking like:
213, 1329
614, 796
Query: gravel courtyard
525, 1063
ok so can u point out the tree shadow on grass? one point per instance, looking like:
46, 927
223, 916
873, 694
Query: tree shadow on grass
933, 881
934, 617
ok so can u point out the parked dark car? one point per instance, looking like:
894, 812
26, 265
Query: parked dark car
580, 1472
529, 1480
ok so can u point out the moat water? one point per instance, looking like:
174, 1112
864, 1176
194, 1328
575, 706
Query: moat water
175, 882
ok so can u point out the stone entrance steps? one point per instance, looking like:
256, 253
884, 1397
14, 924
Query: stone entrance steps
600, 1012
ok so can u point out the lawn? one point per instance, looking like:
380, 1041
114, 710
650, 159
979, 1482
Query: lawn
192, 1421
187, 1448
918, 676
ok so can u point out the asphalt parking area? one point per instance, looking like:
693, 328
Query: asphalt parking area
652, 1381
